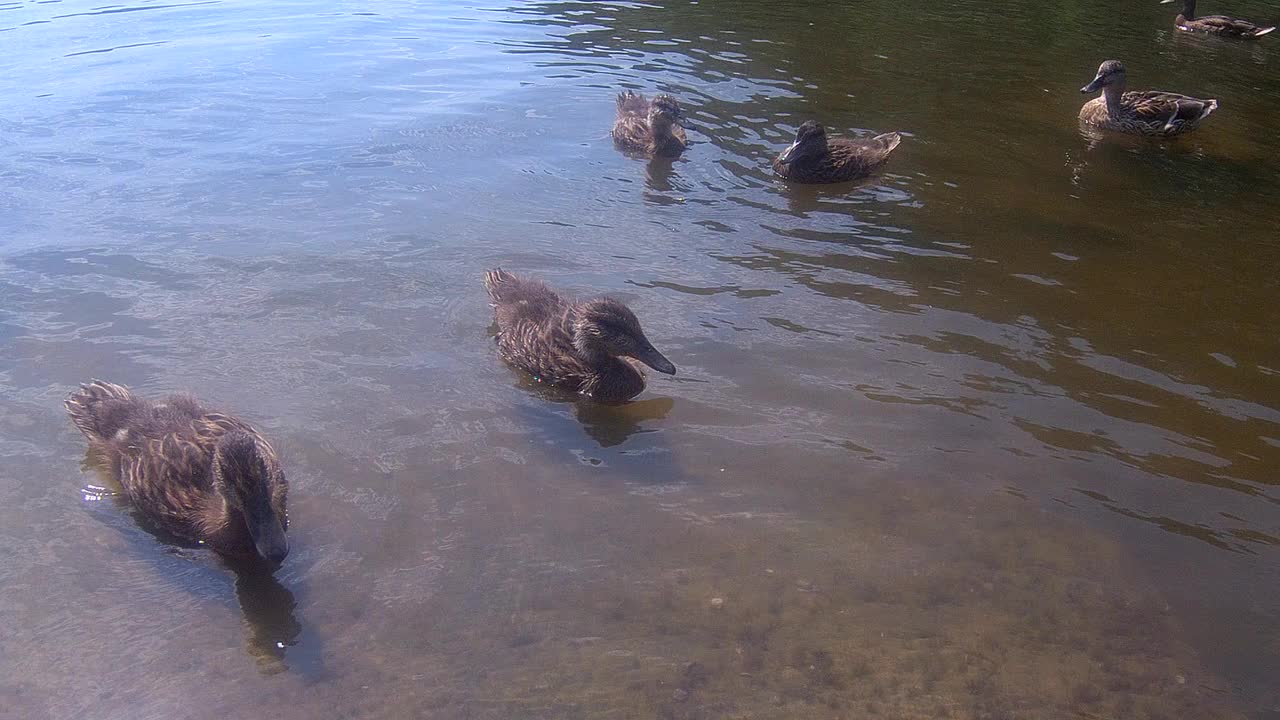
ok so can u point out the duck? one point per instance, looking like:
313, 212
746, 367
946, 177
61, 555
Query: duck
592, 347
1215, 24
649, 127
1140, 112
814, 158
201, 475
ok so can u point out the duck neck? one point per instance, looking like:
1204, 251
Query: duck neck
1188, 9
1112, 95
612, 379
662, 135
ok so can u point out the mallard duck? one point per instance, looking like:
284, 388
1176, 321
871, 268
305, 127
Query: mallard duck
815, 158
197, 474
1140, 112
587, 346
1215, 24
649, 127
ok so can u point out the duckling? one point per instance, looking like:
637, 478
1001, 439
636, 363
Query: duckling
651, 128
1140, 112
197, 474
588, 346
813, 158
1215, 24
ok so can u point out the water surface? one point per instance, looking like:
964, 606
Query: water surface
993, 435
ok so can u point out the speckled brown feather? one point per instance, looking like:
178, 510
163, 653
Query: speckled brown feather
846, 159
1144, 112
634, 131
1220, 25
536, 334
1148, 112
162, 455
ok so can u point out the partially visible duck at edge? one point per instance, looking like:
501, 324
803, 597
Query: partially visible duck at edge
592, 347
1215, 24
649, 127
200, 475
814, 158
1140, 112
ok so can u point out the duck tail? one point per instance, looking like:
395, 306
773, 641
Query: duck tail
888, 141
94, 406
884, 144
1209, 107
1264, 31
497, 282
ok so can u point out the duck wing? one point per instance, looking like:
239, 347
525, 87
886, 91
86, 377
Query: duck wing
632, 133
872, 150
1170, 109
631, 130
542, 348
167, 478
1223, 25
851, 157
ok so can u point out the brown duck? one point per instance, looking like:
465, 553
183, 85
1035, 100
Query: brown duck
1215, 24
649, 127
198, 474
1140, 112
588, 347
815, 158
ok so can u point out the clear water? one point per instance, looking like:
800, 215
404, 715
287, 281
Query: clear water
995, 435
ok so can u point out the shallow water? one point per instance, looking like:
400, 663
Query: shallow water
994, 435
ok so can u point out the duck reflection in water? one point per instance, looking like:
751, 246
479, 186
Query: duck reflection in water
624, 440
609, 425
270, 625
657, 175
803, 199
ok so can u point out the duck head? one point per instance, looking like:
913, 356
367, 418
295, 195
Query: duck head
253, 487
1110, 75
664, 112
811, 141
608, 327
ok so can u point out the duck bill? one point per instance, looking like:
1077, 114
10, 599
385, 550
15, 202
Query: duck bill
789, 154
1092, 87
654, 359
1166, 2
267, 533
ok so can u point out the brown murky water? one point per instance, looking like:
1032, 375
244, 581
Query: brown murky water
996, 435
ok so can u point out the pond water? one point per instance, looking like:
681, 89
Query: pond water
993, 435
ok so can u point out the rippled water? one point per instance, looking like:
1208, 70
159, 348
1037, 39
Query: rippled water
994, 435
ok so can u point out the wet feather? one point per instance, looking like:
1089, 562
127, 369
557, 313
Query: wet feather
649, 127
1220, 25
1140, 112
173, 458
815, 158
591, 347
